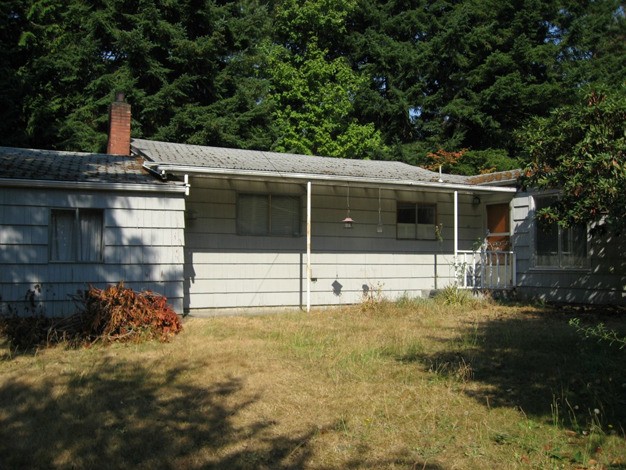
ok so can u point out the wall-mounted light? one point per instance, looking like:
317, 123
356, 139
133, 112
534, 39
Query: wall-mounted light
475, 201
347, 222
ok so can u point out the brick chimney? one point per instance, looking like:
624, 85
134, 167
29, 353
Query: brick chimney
119, 127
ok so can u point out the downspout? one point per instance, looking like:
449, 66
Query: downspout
456, 237
308, 246
154, 172
456, 225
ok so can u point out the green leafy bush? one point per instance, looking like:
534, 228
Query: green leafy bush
599, 332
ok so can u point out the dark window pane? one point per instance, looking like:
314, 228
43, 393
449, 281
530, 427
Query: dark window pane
406, 213
253, 214
285, 215
426, 215
557, 246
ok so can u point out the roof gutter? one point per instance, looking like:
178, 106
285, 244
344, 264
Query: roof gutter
508, 182
326, 179
96, 186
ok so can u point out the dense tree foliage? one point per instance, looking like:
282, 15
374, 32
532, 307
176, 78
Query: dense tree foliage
313, 92
397, 79
579, 150
190, 70
12, 23
452, 75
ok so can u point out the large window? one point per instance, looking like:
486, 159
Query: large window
265, 214
76, 235
556, 246
416, 221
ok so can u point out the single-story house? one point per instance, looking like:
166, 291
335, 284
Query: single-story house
258, 222
217, 230
72, 219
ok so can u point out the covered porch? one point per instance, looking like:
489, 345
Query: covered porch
489, 265
274, 230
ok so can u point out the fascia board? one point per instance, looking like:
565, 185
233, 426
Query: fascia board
95, 186
326, 179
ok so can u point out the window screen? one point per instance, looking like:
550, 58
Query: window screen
268, 215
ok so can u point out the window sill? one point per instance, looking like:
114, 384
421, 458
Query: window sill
75, 262
268, 235
553, 269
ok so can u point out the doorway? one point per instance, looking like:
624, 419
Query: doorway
499, 227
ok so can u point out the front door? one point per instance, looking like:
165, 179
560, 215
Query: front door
499, 228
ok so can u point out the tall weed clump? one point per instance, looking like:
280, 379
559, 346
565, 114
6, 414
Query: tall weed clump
453, 296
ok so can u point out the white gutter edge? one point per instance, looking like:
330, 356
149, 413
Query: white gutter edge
88, 185
328, 178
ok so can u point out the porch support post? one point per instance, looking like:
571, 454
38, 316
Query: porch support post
456, 224
308, 246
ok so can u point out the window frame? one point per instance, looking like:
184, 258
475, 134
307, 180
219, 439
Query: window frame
77, 235
270, 230
417, 207
562, 234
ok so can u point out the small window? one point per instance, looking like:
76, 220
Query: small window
416, 221
556, 246
264, 214
76, 235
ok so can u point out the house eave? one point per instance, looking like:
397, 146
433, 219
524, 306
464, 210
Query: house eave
509, 182
323, 179
92, 185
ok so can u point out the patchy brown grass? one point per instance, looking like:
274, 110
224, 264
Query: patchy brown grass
405, 385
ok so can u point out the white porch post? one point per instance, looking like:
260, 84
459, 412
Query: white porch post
456, 225
308, 246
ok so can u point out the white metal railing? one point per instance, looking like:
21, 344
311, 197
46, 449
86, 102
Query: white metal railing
485, 269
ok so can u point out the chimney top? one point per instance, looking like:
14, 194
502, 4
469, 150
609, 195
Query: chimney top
119, 126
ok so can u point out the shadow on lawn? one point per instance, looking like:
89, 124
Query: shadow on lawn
120, 415
538, 363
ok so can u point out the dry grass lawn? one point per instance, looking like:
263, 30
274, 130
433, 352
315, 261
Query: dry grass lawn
418, 386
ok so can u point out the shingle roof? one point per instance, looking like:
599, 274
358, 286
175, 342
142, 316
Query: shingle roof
49, 165
500, 177
216, 158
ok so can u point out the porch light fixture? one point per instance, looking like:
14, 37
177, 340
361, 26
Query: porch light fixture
475, 201
347, 222
379, 227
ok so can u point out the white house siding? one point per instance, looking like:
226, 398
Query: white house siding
143, 246
226, 270
602, 282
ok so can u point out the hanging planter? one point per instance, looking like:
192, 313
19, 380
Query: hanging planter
347, 222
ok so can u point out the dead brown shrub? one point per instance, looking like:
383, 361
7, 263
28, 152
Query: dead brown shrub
117, 313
